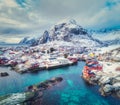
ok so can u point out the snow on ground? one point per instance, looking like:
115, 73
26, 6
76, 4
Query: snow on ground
107, 49
14, 99
107, 36
109, 67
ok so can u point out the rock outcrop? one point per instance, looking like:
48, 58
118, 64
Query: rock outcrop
109, 84
4, 74
33, 95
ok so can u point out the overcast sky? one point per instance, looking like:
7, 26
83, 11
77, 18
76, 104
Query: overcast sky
20, 18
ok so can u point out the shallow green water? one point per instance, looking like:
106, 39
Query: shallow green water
71, 91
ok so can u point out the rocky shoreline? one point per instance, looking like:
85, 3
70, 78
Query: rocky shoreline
33, 94
108, 80
104, 70
109, 85
4, 74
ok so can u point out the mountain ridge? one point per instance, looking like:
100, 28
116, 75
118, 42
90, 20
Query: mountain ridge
68, 31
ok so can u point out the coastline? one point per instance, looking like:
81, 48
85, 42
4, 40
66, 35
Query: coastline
108, 78
83, 57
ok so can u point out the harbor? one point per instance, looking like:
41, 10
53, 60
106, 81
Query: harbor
104, 71
38, 57
59, 52
73, 89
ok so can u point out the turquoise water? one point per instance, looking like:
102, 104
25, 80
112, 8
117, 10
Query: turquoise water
71, 91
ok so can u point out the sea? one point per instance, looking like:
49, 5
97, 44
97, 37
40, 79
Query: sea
73, 90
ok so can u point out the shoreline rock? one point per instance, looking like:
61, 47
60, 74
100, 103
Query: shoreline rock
33, 94
4, 74
108, 85
108, 79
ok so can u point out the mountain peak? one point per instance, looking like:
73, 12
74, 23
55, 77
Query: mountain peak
72, 21
68, 31
67, 21
65, 26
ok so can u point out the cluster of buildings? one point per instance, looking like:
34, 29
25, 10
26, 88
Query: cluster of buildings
47, 56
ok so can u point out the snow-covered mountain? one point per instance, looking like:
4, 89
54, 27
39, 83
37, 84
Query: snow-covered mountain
68, 31
35, 41
113, 42
110, 37
28, 40
44, 38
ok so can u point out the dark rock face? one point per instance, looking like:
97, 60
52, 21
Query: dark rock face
65, 31
70, 31
45, 85
78, 31
44, 38
75, 31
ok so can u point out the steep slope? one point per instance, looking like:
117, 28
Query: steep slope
28, 40
43, 39
35, 41
68, 31
24, 40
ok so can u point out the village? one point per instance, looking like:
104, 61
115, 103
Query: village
105, 72
30, 59
101, 68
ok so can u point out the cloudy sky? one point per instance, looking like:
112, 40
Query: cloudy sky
20, 18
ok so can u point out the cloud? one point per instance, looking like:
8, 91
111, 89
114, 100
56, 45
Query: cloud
8, 21
10, 39
108, 17
18, 18
11, 3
